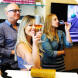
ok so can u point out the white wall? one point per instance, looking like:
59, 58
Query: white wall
2, 11
25, 10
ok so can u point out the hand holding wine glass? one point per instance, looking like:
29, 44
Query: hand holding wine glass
67, 26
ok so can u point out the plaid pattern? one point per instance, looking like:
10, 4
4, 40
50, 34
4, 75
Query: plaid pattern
20, 1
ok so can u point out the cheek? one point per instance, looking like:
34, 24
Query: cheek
28, 31
55, 24
11, 15
17, 15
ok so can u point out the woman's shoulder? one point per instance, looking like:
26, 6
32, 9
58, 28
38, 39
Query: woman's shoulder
20, 44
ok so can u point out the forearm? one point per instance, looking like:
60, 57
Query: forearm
68, 37
60, 52
35, 55
5, 52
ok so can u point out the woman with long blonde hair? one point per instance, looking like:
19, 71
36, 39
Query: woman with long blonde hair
54, 42
27, 43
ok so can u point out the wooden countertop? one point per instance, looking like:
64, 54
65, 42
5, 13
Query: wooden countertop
71, 58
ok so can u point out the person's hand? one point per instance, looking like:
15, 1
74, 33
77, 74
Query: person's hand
60, 52
67, 26
12, 52
37, 37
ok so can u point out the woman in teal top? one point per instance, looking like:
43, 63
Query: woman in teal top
54, 43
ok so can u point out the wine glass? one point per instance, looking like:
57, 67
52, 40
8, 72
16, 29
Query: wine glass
61, 22
26, 65
39, 26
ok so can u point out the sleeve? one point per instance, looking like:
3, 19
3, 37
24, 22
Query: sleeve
66, 43
3, 50
46, 46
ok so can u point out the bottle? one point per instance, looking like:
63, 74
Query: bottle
43, 73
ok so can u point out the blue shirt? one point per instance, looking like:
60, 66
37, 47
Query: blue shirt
51, 48
8, 37
21, 63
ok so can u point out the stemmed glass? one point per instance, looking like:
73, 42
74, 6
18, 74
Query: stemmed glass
61, 22
39, 26
26, 65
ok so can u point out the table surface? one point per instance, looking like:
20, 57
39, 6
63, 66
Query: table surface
27, 74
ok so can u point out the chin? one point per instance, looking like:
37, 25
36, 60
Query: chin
56, 26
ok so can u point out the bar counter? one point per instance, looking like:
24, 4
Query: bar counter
71, 58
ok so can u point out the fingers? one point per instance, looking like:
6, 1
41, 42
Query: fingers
39, 34
67, 26
37, 37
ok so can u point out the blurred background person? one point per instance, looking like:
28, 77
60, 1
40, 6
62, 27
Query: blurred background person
8, 34
27, 47
54, 42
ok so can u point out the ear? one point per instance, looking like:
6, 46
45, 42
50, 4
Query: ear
6, 13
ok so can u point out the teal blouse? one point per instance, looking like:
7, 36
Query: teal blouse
51, 48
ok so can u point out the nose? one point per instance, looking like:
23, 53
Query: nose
18, 12
57, 20
33, 26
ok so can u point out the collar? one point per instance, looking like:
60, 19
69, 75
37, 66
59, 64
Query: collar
9, 24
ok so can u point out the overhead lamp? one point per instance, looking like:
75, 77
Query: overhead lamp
1, 1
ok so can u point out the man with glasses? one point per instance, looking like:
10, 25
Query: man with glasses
8, 34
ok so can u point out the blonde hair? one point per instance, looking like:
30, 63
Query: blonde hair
21, 36
48, 28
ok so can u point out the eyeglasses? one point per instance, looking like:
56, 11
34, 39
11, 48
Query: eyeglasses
14, 10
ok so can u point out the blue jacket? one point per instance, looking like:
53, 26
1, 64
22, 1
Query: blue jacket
52, 47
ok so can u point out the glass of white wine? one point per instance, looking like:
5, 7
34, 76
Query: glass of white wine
39, 26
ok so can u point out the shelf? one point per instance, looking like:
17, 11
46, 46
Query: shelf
24, 4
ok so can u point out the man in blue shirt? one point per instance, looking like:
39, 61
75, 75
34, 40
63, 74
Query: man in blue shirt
8, 33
